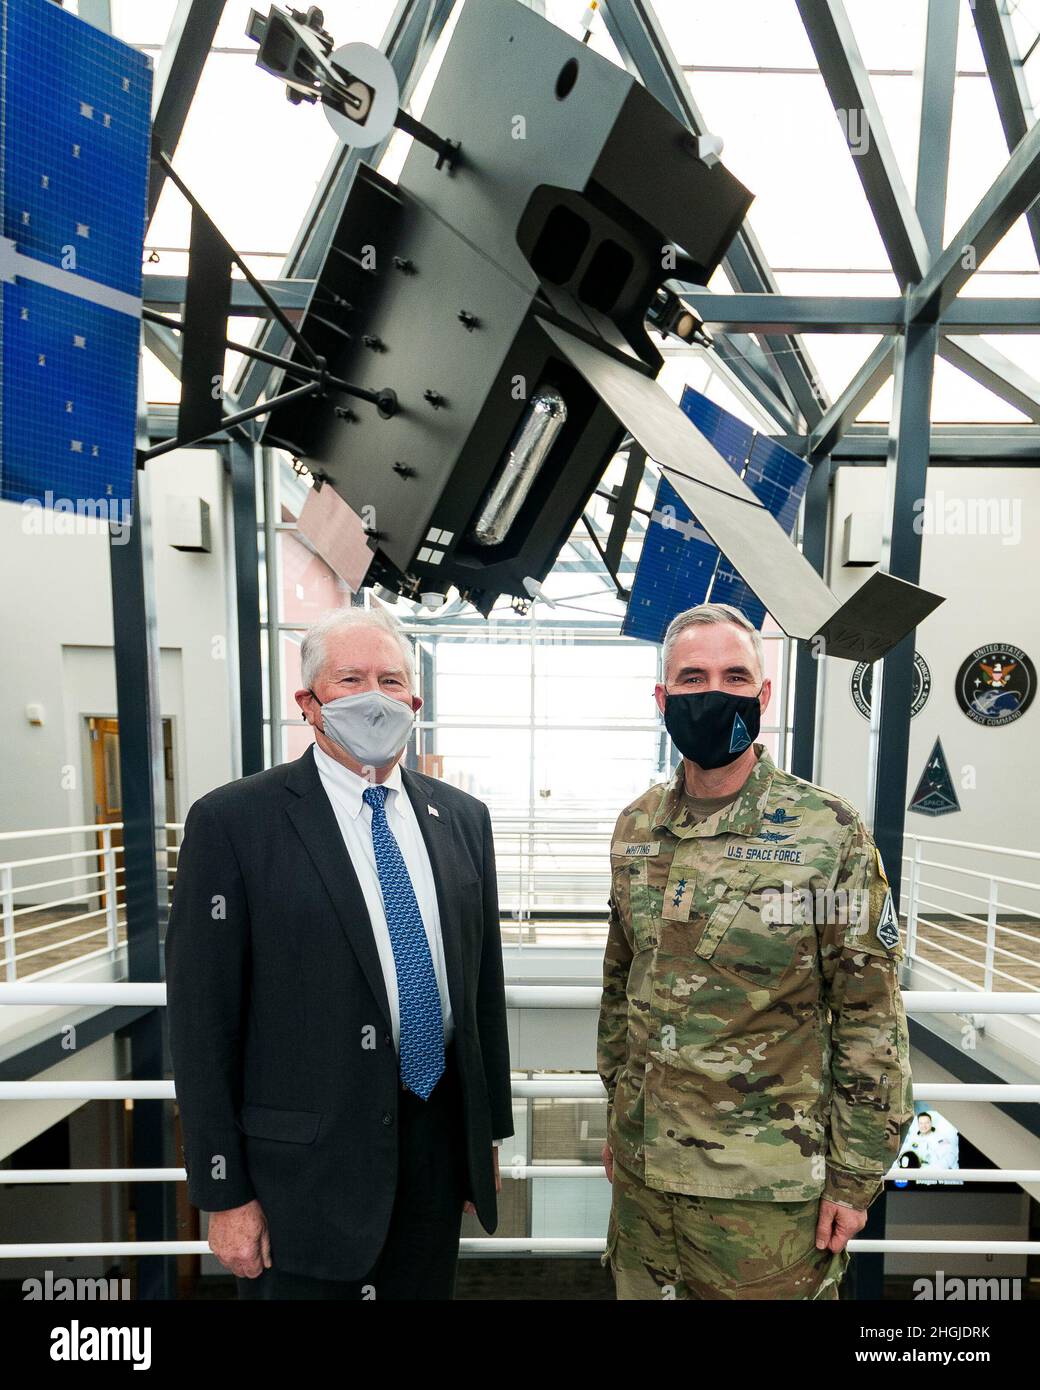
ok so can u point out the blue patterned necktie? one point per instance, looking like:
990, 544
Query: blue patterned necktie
419, 1000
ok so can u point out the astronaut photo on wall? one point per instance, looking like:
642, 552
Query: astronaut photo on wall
933, 1142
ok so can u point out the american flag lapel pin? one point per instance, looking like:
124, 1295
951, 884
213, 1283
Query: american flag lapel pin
433, 811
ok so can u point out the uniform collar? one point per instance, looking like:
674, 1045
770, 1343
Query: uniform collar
347, 786
741, 817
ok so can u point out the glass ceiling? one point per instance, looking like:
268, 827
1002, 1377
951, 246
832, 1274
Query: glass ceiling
255, 162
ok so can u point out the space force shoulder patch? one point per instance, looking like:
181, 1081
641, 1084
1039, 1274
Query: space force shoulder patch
887, 930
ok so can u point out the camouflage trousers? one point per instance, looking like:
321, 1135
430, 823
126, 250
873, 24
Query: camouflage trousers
671, 1245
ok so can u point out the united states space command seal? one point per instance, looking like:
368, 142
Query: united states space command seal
996, 685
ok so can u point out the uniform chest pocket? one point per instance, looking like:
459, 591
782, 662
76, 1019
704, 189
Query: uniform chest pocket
630, 888
750, 933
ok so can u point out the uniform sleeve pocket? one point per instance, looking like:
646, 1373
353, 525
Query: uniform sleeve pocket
866, 1090
631, 891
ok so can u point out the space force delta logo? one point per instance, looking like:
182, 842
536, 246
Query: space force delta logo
996, 685
739, 738
861, 685
935, 795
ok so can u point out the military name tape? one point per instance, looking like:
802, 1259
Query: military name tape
765, 854
643, 850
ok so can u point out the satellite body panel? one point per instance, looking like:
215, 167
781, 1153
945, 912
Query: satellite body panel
571, 185
503, 292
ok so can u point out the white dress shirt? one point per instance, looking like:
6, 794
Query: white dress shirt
354, 815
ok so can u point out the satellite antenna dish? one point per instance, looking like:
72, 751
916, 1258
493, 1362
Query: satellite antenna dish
355, 83
370, 96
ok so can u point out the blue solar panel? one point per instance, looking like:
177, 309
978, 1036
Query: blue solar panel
731, 436
675, 570
73, 190
680, 565
730, 588
777, 478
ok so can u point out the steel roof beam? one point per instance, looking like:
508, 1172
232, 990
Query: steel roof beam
848, 84
1008, 81
640, 40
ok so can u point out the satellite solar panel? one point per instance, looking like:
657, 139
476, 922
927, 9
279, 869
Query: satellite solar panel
69, 426
680, 566
777, 478
731, 436
730, 588
76, 118
675, 570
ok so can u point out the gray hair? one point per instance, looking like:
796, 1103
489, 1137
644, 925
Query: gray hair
706, 613
313, 647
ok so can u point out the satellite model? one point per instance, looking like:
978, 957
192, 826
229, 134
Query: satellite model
494, 303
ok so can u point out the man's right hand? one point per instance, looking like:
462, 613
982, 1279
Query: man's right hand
608, 1162
239, 1238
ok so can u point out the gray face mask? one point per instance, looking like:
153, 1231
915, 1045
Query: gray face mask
372, 728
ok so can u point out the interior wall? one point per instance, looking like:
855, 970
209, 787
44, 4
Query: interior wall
56, 615
989, 583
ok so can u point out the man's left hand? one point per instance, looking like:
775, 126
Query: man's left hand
468, 1207
836, 1225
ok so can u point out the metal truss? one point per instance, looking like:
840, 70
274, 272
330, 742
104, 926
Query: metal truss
758, 332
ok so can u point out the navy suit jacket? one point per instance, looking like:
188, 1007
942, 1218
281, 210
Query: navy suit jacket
280, 1033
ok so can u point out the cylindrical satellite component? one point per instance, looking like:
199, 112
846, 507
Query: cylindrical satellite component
541, 423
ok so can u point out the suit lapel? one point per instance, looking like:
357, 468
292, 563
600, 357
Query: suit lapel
435, 825
316, 823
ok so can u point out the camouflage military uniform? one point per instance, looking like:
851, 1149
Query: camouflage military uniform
752, 1035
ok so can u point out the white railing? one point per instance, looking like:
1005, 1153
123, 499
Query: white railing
82, 887
504, 1245
571, 1087
153, 993
972, 920
951, 904
554, 863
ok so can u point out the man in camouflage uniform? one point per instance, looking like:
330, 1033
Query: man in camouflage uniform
752, 1036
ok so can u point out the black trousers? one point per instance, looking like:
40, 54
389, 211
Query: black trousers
419, 1257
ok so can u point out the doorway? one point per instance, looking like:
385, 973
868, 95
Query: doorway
103, 738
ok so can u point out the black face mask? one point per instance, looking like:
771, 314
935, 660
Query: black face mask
712, 727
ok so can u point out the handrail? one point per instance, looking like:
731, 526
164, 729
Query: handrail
501, 1245
579, 1086
517, 1171
576, 1086
970, 844
136, 993
132, 994
553, 868
523, 820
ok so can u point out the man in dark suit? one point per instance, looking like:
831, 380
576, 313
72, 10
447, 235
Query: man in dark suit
335, 997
